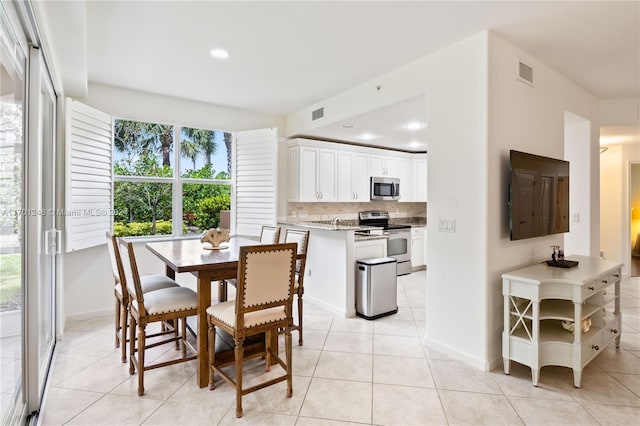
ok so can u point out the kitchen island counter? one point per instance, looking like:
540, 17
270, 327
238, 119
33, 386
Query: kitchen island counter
330, 269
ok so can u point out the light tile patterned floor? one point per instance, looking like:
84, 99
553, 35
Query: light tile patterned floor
350, 371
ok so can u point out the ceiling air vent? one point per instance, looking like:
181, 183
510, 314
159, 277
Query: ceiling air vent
318, 113
525, 73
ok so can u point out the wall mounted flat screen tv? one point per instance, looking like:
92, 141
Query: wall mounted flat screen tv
538, 196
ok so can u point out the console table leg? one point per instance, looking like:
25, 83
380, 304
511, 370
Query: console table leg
507, 365
577, 376
535, 375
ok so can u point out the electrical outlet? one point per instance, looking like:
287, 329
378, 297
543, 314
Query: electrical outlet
575, 218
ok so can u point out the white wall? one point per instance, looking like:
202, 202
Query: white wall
529, 119
477, 112
577, 142
87, 283
454, 81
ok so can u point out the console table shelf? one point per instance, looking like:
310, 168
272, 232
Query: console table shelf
538, 298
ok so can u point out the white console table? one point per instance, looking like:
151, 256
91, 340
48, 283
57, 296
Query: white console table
539, 297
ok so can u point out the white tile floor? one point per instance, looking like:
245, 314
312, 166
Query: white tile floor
349, 371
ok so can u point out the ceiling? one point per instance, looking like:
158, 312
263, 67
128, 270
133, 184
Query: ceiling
285, 56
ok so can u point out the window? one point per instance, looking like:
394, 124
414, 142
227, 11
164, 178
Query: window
157, 192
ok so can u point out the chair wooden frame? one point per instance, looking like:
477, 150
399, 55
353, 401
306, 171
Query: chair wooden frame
264, 236
122, 298
140, 318
251, 274
302, 239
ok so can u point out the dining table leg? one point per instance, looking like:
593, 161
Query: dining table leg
204, 301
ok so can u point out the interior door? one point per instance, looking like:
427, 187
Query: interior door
42, 245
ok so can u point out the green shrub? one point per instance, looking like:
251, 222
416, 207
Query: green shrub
208, 211
139, 229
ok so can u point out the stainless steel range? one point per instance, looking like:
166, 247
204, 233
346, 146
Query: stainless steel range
399, 241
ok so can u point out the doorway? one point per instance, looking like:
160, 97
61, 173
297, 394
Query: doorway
634, 216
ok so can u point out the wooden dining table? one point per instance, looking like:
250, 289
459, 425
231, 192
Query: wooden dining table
190, 255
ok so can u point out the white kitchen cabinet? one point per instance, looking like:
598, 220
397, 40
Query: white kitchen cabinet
370, 249
406, 173
353, 176
384, 165
420, 181
312, 174
417, 247
541, 302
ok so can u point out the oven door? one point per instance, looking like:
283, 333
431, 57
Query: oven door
399, 247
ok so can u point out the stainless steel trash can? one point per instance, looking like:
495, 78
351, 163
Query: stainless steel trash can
376, 287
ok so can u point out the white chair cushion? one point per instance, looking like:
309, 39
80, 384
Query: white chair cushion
171, 299
226, 313
154, 282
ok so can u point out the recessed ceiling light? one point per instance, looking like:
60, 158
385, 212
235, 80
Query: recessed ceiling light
414, 125
367, 136
347, 126
415, 144
219, 53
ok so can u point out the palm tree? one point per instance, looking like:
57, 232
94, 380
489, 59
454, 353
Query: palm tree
159, 136
204, 139
227, 144
189, 149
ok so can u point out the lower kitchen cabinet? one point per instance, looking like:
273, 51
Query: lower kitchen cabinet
417, 247
370, 249
564, 317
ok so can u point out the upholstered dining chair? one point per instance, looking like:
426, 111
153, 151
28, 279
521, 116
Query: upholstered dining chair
302, 239
173, 304
263, 304
148, 283
270, 234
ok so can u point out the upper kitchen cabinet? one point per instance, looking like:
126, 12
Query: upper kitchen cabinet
406, 173
420, 181
353, 176
312, 173
383, 165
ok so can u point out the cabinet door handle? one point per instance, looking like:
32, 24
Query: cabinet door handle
616, 275
614, 331
591, 288
604, 281
595, 347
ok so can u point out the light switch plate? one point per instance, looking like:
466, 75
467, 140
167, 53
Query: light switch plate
446, 225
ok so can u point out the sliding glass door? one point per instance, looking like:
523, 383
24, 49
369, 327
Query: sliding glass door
28, 237
12, 247
41, 232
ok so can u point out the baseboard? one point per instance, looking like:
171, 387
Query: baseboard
457, 355
88, 315
331, 308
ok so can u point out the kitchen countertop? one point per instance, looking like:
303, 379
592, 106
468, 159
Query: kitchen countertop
323, 226
352, 225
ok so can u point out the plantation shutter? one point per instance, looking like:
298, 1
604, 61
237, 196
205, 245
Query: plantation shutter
256, 181
88, 192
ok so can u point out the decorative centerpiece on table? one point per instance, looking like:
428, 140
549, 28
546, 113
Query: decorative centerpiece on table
214, 237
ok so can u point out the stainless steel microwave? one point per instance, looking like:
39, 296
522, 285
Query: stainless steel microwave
384, 188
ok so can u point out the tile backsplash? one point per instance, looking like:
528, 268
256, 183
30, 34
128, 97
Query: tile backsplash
349, 211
